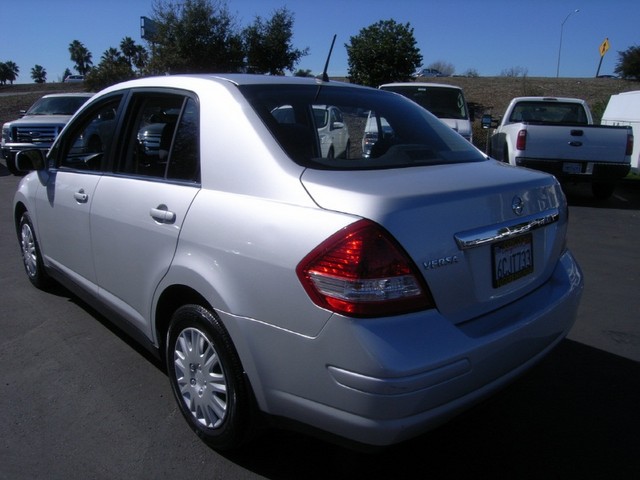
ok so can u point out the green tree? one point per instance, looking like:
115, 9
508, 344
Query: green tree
195, 36
303, 73
39, 74
268, 45
8, 72
81, 57
136, 55
628, 66
383, 52
114, 67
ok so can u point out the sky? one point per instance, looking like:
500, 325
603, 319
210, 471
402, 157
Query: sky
485, 36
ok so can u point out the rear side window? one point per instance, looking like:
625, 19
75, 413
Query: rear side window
162, 137
346, 128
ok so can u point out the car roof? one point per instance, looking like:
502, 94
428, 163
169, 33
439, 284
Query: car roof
71, 94
238, 79
419, 84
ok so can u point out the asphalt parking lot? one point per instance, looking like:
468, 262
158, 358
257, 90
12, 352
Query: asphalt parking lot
79, 400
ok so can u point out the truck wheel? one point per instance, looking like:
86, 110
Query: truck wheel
603, 190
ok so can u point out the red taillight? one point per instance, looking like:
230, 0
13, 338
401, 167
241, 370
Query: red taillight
521, 141
361, 271
629, 150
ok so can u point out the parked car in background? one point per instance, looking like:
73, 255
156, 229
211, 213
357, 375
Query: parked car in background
40, 125
623, 109
370, 298
557, 135
446, 102
428, 72
74, 79
333, 133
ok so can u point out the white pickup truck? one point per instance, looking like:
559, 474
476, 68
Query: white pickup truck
557, 135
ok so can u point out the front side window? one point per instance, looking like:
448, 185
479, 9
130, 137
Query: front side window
89, 138
341, 127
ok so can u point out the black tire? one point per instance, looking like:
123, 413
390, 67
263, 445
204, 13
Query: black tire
330, 153
31, 256
347, 151
505, 154
207, 378
603, 190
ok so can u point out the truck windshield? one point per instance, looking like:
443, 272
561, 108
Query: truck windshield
549, 112
57, 105
342, 127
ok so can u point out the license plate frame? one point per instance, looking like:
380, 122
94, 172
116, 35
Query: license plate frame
511, 259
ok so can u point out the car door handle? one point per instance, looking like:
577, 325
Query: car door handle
162, 214
80, 196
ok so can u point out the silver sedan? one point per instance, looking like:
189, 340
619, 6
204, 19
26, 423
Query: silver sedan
371, 297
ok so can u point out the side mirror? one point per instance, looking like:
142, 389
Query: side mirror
32, 159
337, 125
486, 121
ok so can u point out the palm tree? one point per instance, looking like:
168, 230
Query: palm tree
8, 72
39, 74
80, 56
136, 55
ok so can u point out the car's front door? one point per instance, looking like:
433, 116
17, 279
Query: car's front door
63, 206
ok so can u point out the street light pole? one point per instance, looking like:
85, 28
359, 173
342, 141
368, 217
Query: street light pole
560, 47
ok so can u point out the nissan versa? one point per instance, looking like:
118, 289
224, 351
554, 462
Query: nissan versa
370, 298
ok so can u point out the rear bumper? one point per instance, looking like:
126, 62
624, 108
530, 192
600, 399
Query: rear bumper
382, 381
576, 169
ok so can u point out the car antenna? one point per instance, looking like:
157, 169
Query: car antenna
325, 76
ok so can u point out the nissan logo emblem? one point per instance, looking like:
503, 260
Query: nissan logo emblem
517, 205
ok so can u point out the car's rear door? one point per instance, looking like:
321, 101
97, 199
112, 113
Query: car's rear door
138, 210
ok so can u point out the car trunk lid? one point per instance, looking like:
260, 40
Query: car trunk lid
482, 234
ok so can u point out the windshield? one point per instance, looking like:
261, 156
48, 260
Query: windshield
57, 105
443, 102
355, 128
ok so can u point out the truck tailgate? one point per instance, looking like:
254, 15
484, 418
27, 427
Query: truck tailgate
584, 143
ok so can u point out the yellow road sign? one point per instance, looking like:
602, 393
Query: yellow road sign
604, 46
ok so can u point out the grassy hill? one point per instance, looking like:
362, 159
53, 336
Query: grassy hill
487, 94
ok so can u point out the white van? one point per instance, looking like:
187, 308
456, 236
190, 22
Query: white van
624, 109
446, 102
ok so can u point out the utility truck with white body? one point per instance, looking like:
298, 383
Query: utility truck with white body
624, 109
557, 135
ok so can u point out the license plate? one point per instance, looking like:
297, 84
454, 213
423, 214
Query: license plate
512, 259
573, 168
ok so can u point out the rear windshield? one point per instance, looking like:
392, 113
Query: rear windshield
441, 101
355, 128
567, 113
